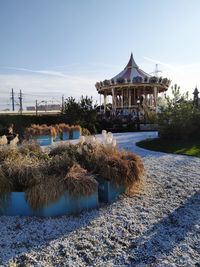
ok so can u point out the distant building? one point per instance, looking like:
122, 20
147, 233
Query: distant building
30, 108
44, 107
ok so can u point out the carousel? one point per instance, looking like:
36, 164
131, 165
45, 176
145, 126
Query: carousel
132, 89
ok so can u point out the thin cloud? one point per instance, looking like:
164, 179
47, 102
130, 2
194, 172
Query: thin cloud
46, 72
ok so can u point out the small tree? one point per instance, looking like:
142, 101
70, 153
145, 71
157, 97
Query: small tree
81, 112
178, 118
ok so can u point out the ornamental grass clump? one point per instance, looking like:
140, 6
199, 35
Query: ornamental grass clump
118, 167
22, 172
36, 130
5, 183
59, 149
64, 127
29, 147
79, 182
3, 140
58, 165
47, 191
45, 177
108, 162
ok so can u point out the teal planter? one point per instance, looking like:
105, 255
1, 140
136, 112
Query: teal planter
76, 134
44, 140
108, 192
57, 138
65, 136
16, 205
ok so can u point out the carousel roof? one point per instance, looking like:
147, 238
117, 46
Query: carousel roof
133, 76
131, 71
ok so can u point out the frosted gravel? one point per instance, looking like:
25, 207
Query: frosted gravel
158, 227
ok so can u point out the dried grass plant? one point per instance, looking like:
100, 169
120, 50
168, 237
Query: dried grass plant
59, 164
22, 172
3, 140
121, 168
64, 127
28, 147
47, 191
8, 152
13, 143
59, 149
79, 182
37, 130
5, 183
67, 168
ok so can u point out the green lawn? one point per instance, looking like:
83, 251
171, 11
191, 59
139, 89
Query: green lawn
190, 148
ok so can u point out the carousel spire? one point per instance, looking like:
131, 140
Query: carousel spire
131, 64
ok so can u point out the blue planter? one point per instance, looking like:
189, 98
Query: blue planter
65, 136
76, 134
44, 140
108, 192
16, 205
57, 138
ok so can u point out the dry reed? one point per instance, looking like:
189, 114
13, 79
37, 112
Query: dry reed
79, 182
3, 140
118, 167
49, 190
22, 172
37, 130
28, 147
64, 127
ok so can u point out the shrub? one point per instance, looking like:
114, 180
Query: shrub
178, 117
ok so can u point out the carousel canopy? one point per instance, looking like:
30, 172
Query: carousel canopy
131, 71
133, 77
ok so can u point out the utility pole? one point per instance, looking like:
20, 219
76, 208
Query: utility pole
13, 100
20, 101
36, 107
62, 108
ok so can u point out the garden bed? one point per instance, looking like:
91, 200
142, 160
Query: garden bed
64, 180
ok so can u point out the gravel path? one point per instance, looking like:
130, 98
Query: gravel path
158, 227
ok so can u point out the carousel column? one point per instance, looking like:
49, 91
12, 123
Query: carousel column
129, 98
155, 96
134, 96
113, 101
105, 99
122, 98
100, 101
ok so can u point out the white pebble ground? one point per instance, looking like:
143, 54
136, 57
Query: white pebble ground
158, 227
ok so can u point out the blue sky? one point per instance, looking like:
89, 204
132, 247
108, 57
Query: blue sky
54, 47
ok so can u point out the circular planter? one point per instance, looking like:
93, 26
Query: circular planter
76, 134
16, 205
44, 140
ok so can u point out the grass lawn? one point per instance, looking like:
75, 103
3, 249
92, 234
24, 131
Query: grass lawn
190, 148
